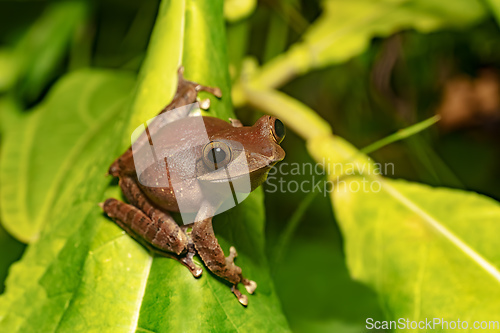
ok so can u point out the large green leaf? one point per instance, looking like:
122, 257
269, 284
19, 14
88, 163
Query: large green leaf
428, 252
41, 149
171, 288
83, 273
346, 27
53, 167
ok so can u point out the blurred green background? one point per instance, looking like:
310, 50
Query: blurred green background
397, 81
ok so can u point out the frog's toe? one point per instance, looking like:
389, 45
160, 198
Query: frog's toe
204, 104
187, 261
250, 285
243, 299
211, 90
195, 270
232, 253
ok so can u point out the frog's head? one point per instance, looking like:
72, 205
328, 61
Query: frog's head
237, 153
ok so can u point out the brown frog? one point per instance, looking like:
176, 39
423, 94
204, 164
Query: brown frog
146, 217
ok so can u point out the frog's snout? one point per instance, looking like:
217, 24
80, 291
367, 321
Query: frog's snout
278, 155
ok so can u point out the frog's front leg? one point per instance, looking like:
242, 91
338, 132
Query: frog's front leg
210, 251
186, 93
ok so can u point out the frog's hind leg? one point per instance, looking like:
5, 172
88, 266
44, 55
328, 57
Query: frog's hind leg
210, 251
172, 238
130, 219
172, 235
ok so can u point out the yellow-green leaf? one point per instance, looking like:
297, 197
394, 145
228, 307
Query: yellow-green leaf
346, 28
428, 252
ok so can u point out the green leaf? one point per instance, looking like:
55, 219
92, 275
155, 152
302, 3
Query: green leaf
8, 69
401, 134
495, 8
157, 80
429, 253
33, 61
235, 10
53, 167
346, 28
207, 62
352, 24
237, 45
42, 148
328, 300
10, 112
83, 273
170, 286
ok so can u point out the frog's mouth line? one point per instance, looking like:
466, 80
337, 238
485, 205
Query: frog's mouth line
225, 175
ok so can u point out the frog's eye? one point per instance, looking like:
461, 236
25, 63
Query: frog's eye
277, 129
216, 154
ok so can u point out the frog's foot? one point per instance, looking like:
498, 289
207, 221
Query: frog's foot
243, 299
211, 253
187, 261
211, 90
199, 87
204, 104
250, 285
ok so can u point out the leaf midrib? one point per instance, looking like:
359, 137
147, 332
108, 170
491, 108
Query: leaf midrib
25, 157
477, 258
483, 263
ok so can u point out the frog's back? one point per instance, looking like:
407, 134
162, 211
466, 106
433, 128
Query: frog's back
188, 132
